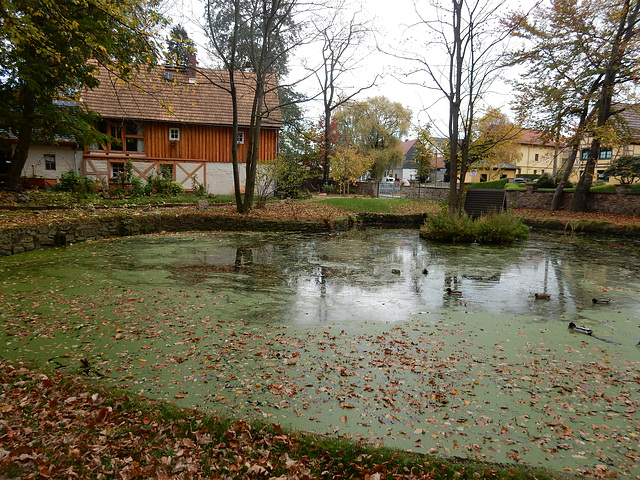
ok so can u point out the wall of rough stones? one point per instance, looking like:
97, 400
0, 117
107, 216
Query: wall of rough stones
18, 240
616, 203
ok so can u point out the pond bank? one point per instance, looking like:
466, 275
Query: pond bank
43, 228
152, 439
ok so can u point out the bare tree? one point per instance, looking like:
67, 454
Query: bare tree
342, 36
252, 39
459, 59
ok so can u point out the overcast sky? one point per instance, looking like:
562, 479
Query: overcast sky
391, 19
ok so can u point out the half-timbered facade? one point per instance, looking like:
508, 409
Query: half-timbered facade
178, 119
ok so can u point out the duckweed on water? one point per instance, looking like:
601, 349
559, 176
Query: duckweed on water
322, 334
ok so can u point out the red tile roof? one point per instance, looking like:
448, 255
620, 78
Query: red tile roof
406, 146
631, 117
154, 98
533, 137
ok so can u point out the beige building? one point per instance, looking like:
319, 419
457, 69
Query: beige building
534, 157
631, 118
538, 157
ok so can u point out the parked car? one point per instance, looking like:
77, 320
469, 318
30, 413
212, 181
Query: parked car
520, 180
387, 180
402, 181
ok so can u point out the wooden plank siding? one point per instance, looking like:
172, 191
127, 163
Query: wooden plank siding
203, 142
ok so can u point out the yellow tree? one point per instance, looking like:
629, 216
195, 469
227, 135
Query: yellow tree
347, 165
375, 127
426, 151
496, 143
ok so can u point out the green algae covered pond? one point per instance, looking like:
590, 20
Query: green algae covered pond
346, 335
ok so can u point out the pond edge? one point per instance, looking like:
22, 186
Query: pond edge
122, 224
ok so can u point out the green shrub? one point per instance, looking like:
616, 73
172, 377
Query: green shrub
174, 189
67, 182
545, 181
137, 188
71, 182
161, 184
501, 228
494, 185
290, 177
328, 188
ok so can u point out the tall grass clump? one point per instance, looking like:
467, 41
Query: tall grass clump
443, 227
499, 228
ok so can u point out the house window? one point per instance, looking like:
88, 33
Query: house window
117, 169
605, 154
133, 137
174, 134
240, 138
127, 137
50, 162
537, 157
585, 154
483, 177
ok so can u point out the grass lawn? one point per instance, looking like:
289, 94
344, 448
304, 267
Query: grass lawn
397, 206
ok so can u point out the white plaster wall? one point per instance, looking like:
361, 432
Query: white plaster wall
220, 178
64, 161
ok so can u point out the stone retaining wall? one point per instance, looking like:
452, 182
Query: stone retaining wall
615, 203
22, 239
18, 240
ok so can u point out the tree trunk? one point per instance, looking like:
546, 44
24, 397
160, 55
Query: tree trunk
626, 30
234, 145
559, 193
579, 203
455, 77
253, 146
25, 132
327, 143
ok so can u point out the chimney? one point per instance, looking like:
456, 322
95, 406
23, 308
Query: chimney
191, 69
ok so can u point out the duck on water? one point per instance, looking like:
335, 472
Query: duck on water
601, 301
580, 328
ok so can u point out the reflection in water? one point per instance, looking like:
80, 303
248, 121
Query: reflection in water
351, 277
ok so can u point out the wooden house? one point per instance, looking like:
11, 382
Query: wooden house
178, 119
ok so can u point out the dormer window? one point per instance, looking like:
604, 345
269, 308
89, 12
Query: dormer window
174, 134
